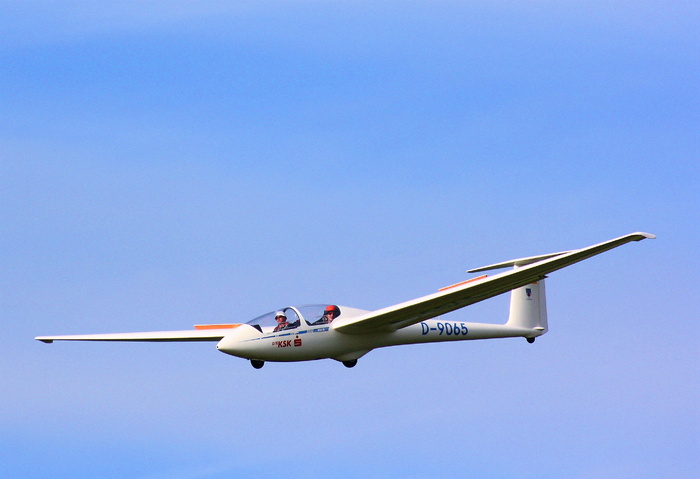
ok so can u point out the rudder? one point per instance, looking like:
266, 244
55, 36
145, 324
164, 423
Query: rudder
528, 308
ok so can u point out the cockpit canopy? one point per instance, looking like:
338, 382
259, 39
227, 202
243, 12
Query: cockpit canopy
292, 317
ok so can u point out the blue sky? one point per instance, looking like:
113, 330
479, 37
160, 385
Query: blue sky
176, 163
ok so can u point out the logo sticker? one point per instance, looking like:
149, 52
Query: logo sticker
288, 343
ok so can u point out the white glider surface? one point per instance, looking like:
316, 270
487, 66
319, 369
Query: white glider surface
323, 331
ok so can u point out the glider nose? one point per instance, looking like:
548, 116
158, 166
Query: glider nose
238, 341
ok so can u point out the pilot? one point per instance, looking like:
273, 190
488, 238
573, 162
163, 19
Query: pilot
329, 314
282, 322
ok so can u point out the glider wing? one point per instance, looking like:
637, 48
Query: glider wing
200, 333
527, 270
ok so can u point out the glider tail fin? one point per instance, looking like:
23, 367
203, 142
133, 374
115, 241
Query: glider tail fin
528, 308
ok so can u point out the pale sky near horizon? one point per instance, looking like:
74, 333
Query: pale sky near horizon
164, 164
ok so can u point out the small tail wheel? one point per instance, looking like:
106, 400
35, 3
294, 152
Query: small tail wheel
350, 364
530, 340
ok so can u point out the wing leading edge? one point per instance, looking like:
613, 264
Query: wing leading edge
155, 336
526, 271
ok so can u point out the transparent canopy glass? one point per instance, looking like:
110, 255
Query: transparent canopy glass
296, 316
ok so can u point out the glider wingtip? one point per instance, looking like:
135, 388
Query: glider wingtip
644, 235
44, 340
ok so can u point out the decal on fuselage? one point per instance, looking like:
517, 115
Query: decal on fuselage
296, 342
288, 343
440, 328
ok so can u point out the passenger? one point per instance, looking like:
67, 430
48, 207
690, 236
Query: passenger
282, 322
329, 314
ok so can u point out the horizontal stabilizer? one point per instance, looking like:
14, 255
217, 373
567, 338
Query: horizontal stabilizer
517, 262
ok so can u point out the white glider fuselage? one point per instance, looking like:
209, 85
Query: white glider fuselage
306, 341
322, 342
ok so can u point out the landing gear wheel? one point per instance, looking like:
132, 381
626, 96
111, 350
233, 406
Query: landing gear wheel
256, 363
530, 340
350, 364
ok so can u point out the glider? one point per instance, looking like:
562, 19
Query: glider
323, 331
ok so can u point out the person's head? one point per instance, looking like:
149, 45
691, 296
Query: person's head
280, 317
331, 312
